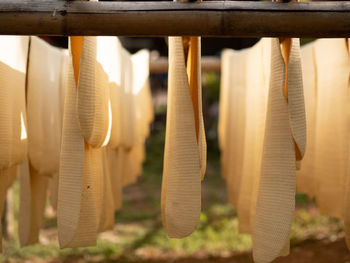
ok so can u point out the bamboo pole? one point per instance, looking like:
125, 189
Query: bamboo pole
212, 18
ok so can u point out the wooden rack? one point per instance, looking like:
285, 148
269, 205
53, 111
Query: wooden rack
210, 19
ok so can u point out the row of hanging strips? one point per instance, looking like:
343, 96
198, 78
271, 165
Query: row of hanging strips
73, 124
262, 124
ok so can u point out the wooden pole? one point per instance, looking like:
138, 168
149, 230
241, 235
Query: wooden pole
211, 18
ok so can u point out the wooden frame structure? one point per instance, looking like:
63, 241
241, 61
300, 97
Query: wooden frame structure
209, 19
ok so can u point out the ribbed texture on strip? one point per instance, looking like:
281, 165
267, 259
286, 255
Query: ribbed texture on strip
43, 106
181, 187
93, 91
13, 134
285, 124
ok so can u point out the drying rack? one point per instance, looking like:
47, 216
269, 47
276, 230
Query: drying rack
208, 18
158, 19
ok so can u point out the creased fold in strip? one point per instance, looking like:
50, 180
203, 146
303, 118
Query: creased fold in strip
285, 138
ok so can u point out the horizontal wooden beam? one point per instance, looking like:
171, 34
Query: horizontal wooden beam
211, 18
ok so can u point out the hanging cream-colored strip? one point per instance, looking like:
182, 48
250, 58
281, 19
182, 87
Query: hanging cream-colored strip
13, 118
255, 103
232, 154
347, 181
223, 106
307, 179
43, 106
284, 145
195, 82
332, 125
77, 205
181, 186
128, 102
53, 184
115, 84
140, 65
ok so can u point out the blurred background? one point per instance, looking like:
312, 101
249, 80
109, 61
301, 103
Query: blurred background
138, 235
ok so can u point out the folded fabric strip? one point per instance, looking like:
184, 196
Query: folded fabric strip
13, 134
78, 193
181, 186
284, 145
